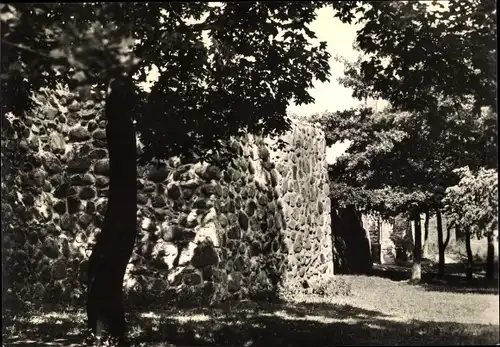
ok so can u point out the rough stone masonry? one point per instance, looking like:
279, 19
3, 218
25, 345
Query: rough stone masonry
207, 233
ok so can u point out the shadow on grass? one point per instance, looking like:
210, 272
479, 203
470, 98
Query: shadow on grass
454, 280
42, 328
250, 324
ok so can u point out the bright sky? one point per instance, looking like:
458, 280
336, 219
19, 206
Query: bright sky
339, 37
331, 96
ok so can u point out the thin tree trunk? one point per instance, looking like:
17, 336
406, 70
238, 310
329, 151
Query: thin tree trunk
441, 244
458, 234
425, 247
112, 251
416, 271
469, 255
490, 260
410, 236
379, 230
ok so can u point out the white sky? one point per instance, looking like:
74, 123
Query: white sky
331, 96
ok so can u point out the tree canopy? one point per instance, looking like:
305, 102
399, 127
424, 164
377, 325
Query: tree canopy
472, 204
437, 68
415, 56
399, 152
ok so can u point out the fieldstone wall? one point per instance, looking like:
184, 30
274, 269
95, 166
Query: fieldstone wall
204, 233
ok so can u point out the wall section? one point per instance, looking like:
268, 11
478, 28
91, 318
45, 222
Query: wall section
204, 233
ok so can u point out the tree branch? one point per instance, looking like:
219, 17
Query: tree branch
24, 48
203, 26
32, 51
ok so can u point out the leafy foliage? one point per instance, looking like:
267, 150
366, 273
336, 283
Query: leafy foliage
472, 204
416, 56
397, 160
43, 44
436, 68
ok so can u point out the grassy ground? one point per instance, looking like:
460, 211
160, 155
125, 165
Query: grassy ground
380, 311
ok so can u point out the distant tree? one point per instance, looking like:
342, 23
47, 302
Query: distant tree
472, 205
259, 58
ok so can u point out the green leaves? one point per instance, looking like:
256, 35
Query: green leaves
433, 53
437, 67
473, 203
398, 160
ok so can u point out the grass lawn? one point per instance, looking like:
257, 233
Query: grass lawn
380, 311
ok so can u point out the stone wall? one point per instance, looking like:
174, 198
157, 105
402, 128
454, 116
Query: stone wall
210, 233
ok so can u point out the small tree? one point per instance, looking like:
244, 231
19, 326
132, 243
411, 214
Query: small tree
472, 205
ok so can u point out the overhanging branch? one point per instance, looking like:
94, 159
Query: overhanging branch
24, 48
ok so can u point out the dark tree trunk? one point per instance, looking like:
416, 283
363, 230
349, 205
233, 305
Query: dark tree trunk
469, 255
379, 230
490, 260
341, 265
448, 236
441, 244
416, 271
459, 235
425, 247
115, 242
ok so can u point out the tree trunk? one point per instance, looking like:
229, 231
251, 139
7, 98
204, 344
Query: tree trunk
416, 271
115, 243
490, 260
469, 255
379, 230
459, 235
441, 244
425, 248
